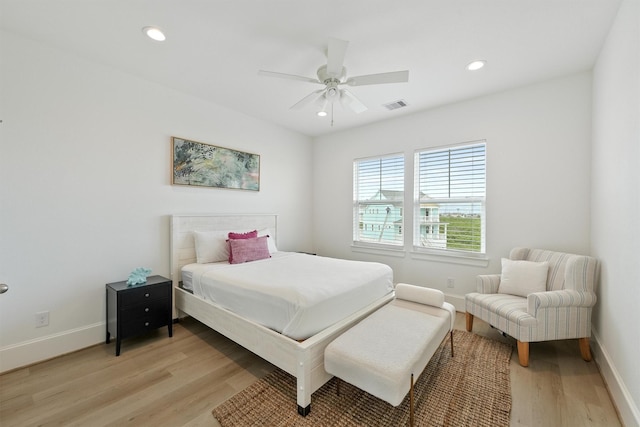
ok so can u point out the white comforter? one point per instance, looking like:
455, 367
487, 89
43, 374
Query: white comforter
295, 294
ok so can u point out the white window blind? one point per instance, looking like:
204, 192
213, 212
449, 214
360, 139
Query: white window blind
378, 200
449, 208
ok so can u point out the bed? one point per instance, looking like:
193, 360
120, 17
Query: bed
290, 344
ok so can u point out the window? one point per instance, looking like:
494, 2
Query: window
378, 198
450, 190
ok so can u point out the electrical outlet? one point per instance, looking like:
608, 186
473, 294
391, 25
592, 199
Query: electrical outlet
451, 282
42, 319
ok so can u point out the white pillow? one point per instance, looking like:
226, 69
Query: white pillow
211, 246
523, 277
271, 240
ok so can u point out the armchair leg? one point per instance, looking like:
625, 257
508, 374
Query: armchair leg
585, 350
523, 353
469, 318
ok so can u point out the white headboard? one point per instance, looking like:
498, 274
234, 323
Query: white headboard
183, 250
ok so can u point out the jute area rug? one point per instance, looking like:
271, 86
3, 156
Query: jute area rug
470, 389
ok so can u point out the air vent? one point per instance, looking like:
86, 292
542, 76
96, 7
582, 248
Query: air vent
401, 103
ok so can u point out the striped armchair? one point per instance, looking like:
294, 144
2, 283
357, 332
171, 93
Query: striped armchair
563, 311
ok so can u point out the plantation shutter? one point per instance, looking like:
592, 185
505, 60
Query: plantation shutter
450, 198
378, 195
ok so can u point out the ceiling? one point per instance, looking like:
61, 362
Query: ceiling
214, 48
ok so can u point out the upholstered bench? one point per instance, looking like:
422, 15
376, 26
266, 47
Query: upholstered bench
383, 352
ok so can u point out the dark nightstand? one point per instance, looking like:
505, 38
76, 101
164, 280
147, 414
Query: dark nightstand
136, 309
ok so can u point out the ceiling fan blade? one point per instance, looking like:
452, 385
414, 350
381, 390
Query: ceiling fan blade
309, 99
335, 56
349, 100
288, 76
376, 79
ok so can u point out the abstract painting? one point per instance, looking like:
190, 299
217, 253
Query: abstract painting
206, 165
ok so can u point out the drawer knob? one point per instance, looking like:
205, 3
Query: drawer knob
146, 309
146, 295
146, 323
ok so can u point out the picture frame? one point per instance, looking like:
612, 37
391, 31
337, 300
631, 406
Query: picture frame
206, 165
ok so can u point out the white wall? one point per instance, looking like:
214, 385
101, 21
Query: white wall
85, 188
538, 175
616, 192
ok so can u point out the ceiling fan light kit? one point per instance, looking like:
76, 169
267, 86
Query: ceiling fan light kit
476, 65
332, 76
154, 33
323, 108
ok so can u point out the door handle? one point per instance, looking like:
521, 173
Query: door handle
3, 288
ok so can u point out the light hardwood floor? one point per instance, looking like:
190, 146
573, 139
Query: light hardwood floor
177, 381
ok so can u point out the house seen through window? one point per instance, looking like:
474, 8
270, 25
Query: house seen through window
378, 195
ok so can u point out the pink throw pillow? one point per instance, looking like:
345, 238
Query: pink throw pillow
247, 235
239, 236
252, 249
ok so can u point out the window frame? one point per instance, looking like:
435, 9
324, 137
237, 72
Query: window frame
419, 250
399, 176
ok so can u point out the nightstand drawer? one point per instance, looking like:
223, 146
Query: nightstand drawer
141, 325
153, 307
137, 296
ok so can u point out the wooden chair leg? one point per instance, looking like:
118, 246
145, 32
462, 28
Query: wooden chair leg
585, 350
523, 353
469, 318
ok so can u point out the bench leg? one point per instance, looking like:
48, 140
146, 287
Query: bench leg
411, 403
451, 339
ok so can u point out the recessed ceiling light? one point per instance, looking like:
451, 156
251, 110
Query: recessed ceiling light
154, 33
476, 65
321, 113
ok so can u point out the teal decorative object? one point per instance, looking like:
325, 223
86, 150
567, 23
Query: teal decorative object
138, 276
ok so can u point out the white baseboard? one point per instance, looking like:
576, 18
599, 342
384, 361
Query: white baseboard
456, 300
36, 350
627, 409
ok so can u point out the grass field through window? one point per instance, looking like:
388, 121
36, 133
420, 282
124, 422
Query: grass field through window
463, 233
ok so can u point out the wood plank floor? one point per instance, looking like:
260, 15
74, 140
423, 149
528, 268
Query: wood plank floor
177, 381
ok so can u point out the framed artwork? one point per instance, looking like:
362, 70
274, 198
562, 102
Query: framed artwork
205, 165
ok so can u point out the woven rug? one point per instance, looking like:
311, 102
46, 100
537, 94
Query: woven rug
470, 389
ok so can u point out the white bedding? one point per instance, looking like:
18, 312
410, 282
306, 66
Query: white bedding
295, 294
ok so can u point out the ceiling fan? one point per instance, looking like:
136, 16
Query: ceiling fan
332, 76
